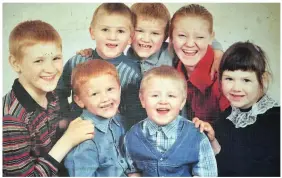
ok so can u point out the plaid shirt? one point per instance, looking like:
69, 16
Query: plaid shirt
163, 137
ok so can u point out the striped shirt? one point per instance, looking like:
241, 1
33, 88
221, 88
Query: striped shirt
28, 134
130, 78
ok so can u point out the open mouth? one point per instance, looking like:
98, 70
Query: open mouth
48, 78
107, 106
236, 97
145, 46
110, 45
190, 52
163, 110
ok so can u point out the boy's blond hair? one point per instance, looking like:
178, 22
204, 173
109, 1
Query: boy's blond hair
29, 33
157, 11
113, 8
91, 69
192, 10
164, 72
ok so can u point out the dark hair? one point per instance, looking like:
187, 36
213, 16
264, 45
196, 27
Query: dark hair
244, 56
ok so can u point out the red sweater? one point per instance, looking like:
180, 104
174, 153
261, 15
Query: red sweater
204, 99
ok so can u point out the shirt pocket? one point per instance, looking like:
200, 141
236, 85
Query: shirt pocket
174, 170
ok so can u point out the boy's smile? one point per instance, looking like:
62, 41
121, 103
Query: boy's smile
149, 36
162, 100
112, 34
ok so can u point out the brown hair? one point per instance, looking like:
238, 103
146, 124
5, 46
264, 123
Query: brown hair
91, 69
192, 10
156, 11
166, 72
113, 8
28, 33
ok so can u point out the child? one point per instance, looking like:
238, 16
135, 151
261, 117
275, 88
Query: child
191, 33
30, 109
112, 29
103, 155
249, 130
149, 48
165, 143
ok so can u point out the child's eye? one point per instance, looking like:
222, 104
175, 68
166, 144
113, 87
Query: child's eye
38, 61
228, 78
181, 36
121, 31
57, 58
155, 33
139, 31
94, 94
247, 80
172, 96
105, 30
200, 37
110, 89
154, 96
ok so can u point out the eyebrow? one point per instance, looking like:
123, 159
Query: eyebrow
105, 26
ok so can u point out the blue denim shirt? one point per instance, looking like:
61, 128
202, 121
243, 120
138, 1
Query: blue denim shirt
105, 154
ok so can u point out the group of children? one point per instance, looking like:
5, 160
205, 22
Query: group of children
109, 97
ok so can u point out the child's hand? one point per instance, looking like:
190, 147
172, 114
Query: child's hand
85, 52
79, 130
215, 66
204, 126
134, 175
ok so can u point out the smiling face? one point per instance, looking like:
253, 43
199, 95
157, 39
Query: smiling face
241, 88
112, 33
99, 97
190, 38
149, 36
40, 67
162, 103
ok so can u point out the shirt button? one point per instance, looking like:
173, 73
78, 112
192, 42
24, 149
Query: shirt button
161, 159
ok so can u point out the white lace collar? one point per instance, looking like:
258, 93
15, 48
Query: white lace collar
243, 119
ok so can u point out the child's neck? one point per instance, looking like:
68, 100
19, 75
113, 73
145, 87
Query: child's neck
39, 96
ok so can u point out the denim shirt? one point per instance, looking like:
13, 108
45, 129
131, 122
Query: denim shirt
105, 154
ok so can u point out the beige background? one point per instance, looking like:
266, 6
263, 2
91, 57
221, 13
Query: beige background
257, 22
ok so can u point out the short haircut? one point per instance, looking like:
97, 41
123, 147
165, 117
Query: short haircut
157, 11
29, 33
83, 72
113, 8
192, 10
244, 56
164, 72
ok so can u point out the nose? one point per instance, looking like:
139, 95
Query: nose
112, 35
49, 66
163, 100
237, 86
146, 37
104, 97
190, 42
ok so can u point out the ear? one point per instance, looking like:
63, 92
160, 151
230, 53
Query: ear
212, 37
78, 101
15, 64
142, 99
265, 81
91, 31
183, 103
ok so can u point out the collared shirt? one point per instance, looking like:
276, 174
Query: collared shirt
104, 155
162, 137
162, 57
28, 134
206, 165
204, 99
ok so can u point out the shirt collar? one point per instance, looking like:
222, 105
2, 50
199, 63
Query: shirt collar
200, 77
168, 129
100, 123
116, 61
152, 60
26, 100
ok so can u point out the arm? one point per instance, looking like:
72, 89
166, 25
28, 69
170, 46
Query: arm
218, 53
82, 161
206, 167
205, 126
17, 158
85, 52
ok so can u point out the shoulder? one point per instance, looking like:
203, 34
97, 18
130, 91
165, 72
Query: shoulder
189, 127
76, 59
131, 64
135, 128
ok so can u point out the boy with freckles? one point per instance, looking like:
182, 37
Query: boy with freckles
165, 143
